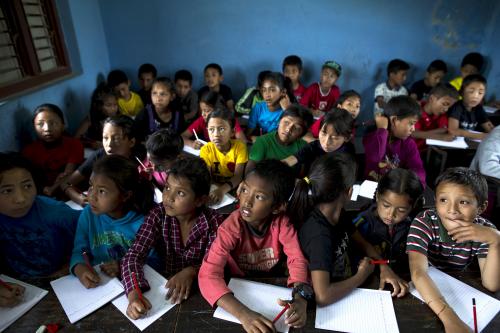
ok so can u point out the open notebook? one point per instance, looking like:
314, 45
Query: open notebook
459, 296
32, 295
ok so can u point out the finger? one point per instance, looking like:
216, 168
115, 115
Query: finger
180, 295
175, 294
187, 292
396, 287
381, 284
404, 289
146, 303
265, 325
169, 292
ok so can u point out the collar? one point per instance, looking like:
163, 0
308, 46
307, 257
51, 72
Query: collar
389, 86
443, 233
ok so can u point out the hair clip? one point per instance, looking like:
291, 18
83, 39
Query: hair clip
306, 179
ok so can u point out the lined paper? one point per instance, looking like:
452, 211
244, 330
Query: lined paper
156, 296
259, 297
32, 295
363, 310
459, 296
459, 142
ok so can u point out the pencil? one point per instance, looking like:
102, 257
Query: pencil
9, 288
136, 286
281, 313
196, 135
138, 160
474, 314
381, 262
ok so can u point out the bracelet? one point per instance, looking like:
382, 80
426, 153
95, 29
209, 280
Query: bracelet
432, 300
444, 308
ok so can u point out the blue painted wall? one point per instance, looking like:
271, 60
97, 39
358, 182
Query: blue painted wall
83, 32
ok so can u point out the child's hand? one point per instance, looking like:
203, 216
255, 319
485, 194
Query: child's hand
381, 121
285, 102
10, 298
255, 322
399, 285
179, 285
197, 144
317, 113
448, 137
296, 315
474, 232
216, 195
456, 326
111, 268
88, 278
365, 268
137, 309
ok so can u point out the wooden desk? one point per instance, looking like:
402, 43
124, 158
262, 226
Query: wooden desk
195, 315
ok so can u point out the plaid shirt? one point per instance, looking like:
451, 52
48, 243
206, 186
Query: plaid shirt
163, 232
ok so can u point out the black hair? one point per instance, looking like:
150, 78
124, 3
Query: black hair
281, 81
102, 92
292, 60
471, 79
184, 75
195, 170
215, 66
224, 114
396, 65
279, 176
166, 82
403, 182
475, 59
468, 178
124, 173
212, 99
444, 90
330, 176
147, 68
260, 78
299, 111
125, 123
15, 160
341, 120
437, 65
50, 108
116, 77
346, 95
164, 144
402, 107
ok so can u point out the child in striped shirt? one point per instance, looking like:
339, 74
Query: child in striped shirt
450, 236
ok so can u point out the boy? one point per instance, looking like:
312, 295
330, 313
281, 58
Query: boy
186, 100
146, 74
435, 72
129, 102
450, 236
396, 72
321, 96
433, 124
292, 69
213, 80
472, 63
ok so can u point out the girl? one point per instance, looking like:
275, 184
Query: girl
266, 115
324, 237
118, 138
468, 114
118, 199
256, 238
226, 158
390, 145
182, 230
54, 153
209, 101
386, 223
103, 105
159, 114
36, 232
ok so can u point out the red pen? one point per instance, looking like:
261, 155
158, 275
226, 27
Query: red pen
381, 262
287, 306
9, 288
136, 286
474, 314
87, 260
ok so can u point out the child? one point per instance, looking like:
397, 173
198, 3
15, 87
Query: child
336, 131
433, 123
292, 69
386, 223
286, 140
103, 105
118, 137
487, 158
159, 114
321, 96
209, 101
182, 230
435, 72
163, 148
54, 153
213, 81
450, 236
118, 199
251, 96
129, 103
396, 73
468, 114
146, 74
226, 158
266, 115
36, 232
390, 145
472, 63
324, 236
255, 239
186, 99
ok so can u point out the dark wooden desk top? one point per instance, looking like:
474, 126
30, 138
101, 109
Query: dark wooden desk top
195, 315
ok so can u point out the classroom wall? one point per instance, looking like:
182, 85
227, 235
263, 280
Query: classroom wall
248, 36
491, 48
88, 51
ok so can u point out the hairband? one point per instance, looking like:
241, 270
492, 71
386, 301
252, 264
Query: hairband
306, 179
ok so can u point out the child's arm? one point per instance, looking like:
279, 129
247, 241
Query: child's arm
454, 129
83, 128
380, 101
179, 285
240, 135
187, 136
230, 105
436, 134
218, 193
375, 144
73, 193
487, 126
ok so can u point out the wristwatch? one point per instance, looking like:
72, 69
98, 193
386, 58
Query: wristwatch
304, 290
